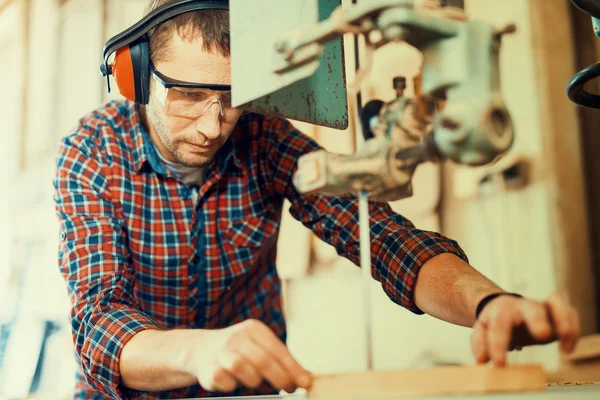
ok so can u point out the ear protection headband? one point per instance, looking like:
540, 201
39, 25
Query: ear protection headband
131, 65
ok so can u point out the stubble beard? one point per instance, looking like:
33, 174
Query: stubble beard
161, 128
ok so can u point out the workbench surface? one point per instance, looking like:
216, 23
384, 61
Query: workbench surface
553, 392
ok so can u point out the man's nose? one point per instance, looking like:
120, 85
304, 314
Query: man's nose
209, 122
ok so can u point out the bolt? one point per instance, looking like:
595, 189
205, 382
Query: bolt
394, 33
375, 36
399, 85
450, 123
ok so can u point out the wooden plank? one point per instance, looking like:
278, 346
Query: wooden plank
588, 348
575, 372
444, 380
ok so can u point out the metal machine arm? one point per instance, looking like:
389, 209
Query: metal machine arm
457, 112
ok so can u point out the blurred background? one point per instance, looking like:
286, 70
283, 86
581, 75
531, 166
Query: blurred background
530, 223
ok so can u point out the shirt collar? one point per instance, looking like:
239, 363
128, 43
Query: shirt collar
145, 154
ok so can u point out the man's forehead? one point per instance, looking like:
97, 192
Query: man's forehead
188, 60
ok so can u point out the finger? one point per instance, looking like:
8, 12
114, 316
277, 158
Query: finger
577, 325
217, 379
267, 366
479, 343
266, 338
537, 320
498, 336
566, 321
240, 368
568, 340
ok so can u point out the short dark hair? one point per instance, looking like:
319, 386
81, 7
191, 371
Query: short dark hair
211, 25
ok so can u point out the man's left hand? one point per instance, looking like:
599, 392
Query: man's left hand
507, 323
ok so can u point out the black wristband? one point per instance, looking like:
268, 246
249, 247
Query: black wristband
489, 298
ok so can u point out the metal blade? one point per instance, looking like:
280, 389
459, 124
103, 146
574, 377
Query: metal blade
365, 265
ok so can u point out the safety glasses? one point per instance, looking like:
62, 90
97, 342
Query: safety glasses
192, 100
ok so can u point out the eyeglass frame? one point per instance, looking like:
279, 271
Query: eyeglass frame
169, 83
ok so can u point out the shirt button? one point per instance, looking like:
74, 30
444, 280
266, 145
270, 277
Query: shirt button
63, 235
184, 193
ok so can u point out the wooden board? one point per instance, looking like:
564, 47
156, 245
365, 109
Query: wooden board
430, 381
588, 348
577, 373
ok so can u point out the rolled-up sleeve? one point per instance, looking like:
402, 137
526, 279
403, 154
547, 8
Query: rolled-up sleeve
95, 264
398, 248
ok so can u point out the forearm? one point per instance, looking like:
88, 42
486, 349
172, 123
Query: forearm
160, 360
450, 289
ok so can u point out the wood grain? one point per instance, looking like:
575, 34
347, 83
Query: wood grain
430, 381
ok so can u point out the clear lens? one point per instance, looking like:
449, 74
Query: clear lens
193, 103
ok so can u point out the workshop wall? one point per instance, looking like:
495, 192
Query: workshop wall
50, 52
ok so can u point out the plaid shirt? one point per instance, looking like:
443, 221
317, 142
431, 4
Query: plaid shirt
138, 252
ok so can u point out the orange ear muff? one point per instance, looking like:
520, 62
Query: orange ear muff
122, 70
131, 70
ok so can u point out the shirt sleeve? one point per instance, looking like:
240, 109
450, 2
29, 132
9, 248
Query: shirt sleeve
94, 262
398, 248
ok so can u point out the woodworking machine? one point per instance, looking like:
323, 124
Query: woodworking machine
456, 113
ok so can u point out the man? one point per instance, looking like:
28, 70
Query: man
169, 216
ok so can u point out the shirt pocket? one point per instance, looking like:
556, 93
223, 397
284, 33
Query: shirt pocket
253, 231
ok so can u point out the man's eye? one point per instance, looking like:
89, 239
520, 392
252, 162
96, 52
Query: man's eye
192, 95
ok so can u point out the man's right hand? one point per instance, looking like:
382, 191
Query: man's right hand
245, 354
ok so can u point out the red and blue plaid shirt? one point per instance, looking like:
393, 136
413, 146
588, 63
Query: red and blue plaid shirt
138, 252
